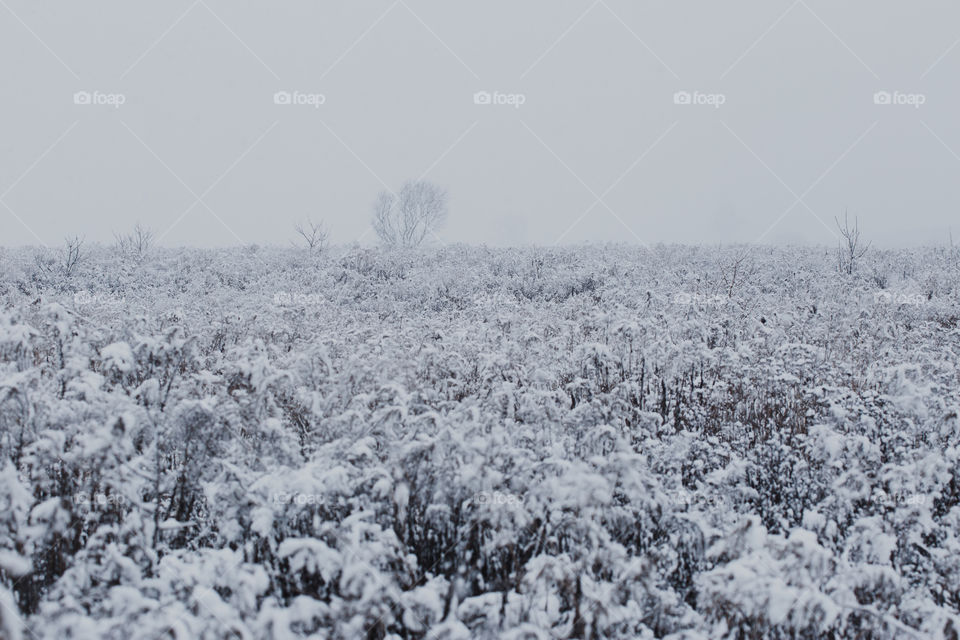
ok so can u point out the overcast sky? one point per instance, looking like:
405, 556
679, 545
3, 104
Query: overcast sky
165, 113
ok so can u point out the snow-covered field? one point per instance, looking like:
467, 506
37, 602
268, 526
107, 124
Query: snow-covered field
594, 442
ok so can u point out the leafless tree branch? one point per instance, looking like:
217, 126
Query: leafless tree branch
851, 248
314, 234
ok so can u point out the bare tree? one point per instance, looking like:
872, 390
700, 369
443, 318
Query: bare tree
851, 249
61, 264
406, 218
314, 234
72, 254
135, 244
732, 273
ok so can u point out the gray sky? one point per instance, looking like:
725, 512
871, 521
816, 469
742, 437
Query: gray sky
599, 149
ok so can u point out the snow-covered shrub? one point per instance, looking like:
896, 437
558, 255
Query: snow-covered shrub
476, 443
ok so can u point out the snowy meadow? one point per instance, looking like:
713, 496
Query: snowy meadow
461, 442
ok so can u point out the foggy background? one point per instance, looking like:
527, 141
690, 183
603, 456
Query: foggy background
599, 150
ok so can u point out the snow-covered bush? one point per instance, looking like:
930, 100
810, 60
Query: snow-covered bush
600, 442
